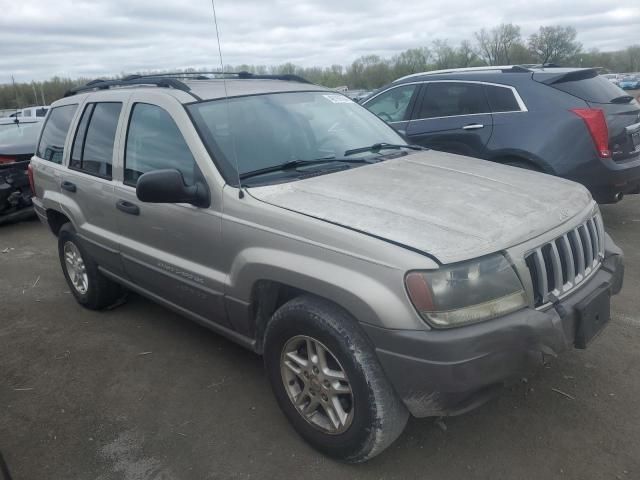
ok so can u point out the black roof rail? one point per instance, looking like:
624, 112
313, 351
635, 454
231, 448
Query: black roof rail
171, 80
100, 84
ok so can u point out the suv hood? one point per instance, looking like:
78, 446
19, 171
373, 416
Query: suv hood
448, 206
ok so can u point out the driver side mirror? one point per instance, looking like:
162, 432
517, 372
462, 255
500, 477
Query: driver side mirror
167, 186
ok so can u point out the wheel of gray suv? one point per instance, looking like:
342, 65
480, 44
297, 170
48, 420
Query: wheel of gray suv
90, 288
328, 381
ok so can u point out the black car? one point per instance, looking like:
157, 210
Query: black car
567, 122
18, 140
17, 146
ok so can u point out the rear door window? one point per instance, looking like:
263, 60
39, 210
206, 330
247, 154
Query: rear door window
501, 99
92, 150
54, 133
448, 99
392, 105
154, 142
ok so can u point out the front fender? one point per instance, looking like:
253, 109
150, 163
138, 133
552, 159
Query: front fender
373, 294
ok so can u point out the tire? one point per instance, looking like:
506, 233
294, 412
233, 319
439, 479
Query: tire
375, 414
99, 291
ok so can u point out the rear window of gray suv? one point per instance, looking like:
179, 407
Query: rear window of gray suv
596, 89
54, 133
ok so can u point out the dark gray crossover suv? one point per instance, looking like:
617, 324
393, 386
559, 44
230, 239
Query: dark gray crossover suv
376, 278
567, 122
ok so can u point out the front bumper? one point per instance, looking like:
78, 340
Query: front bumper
448, 372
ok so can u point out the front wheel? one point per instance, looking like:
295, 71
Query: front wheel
328, 382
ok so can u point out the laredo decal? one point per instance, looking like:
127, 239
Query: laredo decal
188, 275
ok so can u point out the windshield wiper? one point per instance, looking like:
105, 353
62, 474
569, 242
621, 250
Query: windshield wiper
622, 99
293, 164
376, 147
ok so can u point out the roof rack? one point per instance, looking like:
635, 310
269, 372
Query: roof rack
101, 84
488, 68
172, 80
243, 75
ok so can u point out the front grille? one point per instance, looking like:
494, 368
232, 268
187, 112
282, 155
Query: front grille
559, 266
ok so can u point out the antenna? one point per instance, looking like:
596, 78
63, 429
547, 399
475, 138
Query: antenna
15, 91
226, 100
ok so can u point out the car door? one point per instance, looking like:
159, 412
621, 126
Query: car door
452, 116
87, 182
171, 251
394, 105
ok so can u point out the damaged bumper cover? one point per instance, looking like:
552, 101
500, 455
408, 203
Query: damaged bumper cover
448, 372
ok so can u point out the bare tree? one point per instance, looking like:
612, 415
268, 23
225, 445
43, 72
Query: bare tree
444, 56
496, 45
467, 56
554, 43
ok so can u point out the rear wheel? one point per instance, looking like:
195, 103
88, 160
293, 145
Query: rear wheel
328, 382
90, 288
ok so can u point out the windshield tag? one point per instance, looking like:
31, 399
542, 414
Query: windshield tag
337, 98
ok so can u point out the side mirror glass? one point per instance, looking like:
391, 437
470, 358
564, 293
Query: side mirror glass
167, 186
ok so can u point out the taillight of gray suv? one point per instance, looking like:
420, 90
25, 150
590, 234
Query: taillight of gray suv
566, 122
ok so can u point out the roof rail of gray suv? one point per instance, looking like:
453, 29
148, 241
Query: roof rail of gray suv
171, 80
526, 68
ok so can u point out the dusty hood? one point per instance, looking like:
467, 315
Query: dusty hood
451, 207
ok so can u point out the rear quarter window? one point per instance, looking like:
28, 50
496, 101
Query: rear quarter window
596, 89
501, 99
54, 133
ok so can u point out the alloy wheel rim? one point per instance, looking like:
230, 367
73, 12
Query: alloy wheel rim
317, 385
75, 267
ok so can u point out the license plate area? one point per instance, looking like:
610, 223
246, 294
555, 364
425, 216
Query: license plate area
635, 140
592, 313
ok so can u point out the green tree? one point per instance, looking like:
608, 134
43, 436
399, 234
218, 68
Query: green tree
554, 44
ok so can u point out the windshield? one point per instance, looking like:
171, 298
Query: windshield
266, 130
20, 133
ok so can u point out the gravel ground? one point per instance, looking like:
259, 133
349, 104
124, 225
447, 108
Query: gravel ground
139, 393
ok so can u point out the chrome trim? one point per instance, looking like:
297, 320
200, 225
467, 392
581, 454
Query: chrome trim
458, 70
555, 261
519, 101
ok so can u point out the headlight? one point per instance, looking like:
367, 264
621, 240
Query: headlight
466, 292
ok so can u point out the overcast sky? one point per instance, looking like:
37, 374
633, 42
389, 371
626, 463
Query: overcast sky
42, 38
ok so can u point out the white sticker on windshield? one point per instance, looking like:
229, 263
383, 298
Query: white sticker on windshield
337, 98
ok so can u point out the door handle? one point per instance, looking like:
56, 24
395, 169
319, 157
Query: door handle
473, 126
128, 207
68, 186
